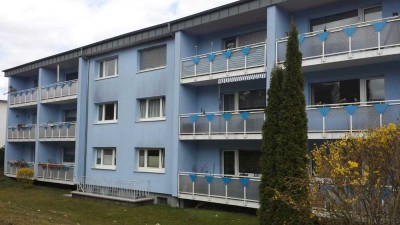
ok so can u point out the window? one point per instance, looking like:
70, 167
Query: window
71, 76
68, 155
348, 91
108, 112
244, 100
108, 68
230, 43
153, 58
152, 108
151, 160
336, 20
229, 102
70, 115
373, 13
245, 39
105, 158
241, 162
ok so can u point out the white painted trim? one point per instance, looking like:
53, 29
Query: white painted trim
151, 69
105, 78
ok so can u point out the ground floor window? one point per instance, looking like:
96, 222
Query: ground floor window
151, 159
105, 158
241, 162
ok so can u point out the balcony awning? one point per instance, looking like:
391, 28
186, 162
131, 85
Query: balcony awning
252, 76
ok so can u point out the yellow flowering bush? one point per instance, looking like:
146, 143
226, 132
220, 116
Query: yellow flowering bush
357, 179
25, 176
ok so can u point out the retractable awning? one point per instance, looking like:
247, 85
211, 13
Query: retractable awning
252, 76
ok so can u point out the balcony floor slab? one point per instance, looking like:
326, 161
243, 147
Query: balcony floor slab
61, 100
220, 200
56, 139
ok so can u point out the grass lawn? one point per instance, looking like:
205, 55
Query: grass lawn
44, 205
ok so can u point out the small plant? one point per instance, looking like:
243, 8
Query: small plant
25, 176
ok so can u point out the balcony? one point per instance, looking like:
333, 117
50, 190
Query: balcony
56, 173
13, 166
358, 43
66, 92
21, 133
24, 99
62, 131
222, 125
324, 121
208, 68
223, 189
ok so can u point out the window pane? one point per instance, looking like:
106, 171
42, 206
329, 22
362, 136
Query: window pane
336, 92
349, 91
336, 20
98, 158
101, 74
153, 158
248, 162
154, 108
229, 102
229, 162
376, 90
230, 43
110, 67
141, 158
69, 155
373, 13
100, 117
109, 111
252, 38
108, 157
143, 108
153, 58
252, 99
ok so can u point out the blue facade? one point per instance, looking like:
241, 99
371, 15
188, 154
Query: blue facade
188, 120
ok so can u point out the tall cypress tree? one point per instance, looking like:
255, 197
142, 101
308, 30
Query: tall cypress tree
293, 160
285, 143
270, 146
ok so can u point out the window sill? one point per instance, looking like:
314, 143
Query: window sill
106, 122
105, 78
152, 69
151, 120
113, 168
159, 171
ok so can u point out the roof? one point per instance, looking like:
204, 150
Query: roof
147, 34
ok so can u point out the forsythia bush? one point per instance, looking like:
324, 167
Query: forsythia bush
25, 175
356, 180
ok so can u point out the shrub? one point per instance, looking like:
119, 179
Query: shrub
2, 157
25, 176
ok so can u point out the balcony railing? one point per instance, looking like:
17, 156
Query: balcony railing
227, 61
128, 189
26, 97
56, 172
322, 120
59, 91
224, 189
57, 131
348, 41
13, 166
22, 133
223, 124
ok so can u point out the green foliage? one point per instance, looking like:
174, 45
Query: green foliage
25, 176
2, 150
285, 150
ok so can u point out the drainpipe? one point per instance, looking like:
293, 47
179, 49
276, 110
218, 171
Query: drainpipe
58, 73
169, 30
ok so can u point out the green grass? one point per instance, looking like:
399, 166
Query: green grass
44, 205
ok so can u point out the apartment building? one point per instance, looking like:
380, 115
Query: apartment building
174, 112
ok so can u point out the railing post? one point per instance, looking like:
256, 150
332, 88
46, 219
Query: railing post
323, 51
350, 48
379, 43
226, 129
323, 127
351, 124
209, 129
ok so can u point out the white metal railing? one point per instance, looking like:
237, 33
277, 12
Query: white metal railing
59, 91
59, 130
346, 40
22, 132
58, 172
13, 166
24, 97
222, 123
323, 119
202, 186
130, 189
245, 57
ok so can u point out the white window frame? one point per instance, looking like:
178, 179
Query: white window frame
161, 160
103, 121
147, 118
361, 12
101, 166
236, 152
102, 66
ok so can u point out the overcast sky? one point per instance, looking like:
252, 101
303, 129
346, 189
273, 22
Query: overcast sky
31, 30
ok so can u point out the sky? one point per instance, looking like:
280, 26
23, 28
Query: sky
30, 30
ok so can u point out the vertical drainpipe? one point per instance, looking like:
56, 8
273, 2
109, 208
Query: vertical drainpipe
58, 73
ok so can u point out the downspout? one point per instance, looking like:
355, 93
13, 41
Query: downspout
169, 30
86, 111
